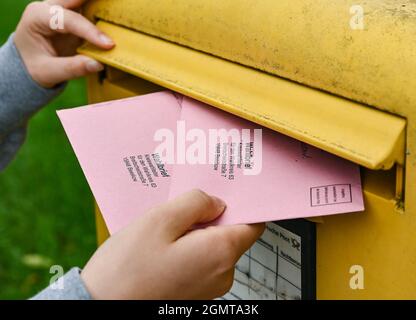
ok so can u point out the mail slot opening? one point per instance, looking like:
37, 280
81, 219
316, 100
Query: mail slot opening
387, 184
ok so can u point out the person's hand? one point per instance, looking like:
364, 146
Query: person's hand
50, 55
158, 257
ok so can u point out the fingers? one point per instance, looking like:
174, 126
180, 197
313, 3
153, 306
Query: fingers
240, 237
218, 247
194, 207
232, 241
57, 70
81, 27
68, 4
40, 15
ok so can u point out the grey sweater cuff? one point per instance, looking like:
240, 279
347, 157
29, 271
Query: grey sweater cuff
20, 95
69, 287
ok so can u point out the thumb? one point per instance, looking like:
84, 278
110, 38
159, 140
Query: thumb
58, 70
194, 207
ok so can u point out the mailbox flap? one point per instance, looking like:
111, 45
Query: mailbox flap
362, 50
366, 136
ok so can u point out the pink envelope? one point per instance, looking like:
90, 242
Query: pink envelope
296, 180
110, 140
128, 173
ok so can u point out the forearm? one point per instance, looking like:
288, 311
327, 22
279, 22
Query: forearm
20, 98
69, 287
10, 144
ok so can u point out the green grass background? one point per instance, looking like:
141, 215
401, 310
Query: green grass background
46, 211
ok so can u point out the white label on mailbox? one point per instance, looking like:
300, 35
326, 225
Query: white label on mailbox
271, 269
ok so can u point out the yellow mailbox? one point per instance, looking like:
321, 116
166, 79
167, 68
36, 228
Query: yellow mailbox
303, 69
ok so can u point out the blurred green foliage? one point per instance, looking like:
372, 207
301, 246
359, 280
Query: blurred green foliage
46, 210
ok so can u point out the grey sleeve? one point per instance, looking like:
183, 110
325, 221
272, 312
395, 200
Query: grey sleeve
69, 287
20, 98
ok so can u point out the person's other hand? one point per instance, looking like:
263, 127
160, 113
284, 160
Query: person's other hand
50, 55
158, 257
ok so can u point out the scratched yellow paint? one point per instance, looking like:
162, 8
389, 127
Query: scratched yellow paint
302, 113
310, 42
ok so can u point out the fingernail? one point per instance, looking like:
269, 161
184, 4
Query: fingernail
219, 203
105, 40
93, 66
